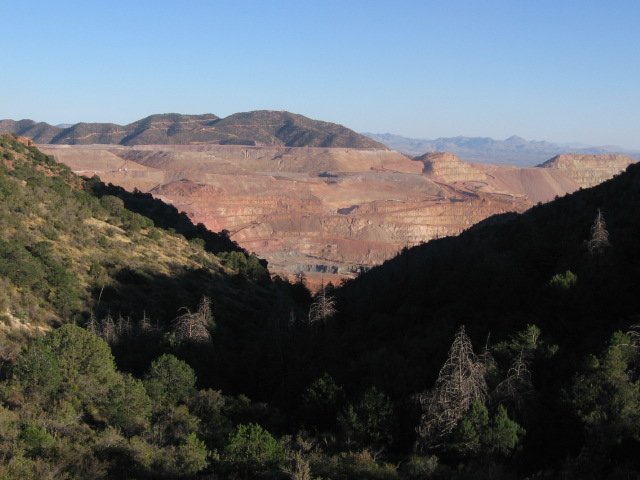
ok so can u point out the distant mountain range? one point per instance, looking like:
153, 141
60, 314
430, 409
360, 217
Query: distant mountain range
512, 151
280, 128
263, 127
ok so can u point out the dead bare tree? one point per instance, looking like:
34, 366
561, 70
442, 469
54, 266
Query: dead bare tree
145, 325
599, 235
121, 330
634, 336
124, 327
634, 333
93, 325
490, 364
460, 383
105, 328
514, 390
323, 307
195, 326
108, 330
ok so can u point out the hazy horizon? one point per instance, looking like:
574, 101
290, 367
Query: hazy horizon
561, 144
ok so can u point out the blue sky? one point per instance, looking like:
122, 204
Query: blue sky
562, 71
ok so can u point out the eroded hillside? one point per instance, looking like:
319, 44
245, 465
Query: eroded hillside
326, 210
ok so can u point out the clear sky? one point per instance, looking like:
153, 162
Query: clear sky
562, 71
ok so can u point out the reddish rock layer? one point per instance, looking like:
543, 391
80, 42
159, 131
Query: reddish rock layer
323, 210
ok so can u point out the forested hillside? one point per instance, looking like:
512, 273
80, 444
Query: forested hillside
86, 282
136, 345
551, 295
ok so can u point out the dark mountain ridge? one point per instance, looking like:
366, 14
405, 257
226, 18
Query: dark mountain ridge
263, 127
503, 264
504, 275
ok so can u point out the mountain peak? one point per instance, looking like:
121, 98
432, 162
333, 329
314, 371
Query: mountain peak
516, 140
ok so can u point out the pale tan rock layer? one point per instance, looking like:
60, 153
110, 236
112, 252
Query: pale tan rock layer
588, 170
331, 211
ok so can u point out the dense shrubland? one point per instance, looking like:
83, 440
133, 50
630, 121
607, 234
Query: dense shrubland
136, 345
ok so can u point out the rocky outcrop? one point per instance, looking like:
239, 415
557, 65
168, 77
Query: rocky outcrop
589, 170
25, 141
448, 168
531, 185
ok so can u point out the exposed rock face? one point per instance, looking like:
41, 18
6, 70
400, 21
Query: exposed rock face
25, 141
562, 174
589, 170
330, 211
448, 168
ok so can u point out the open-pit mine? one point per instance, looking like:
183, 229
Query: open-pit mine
330, 212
